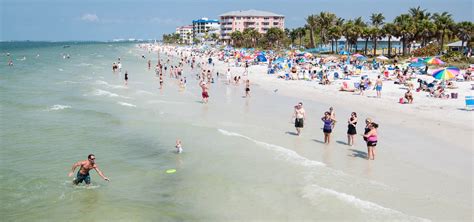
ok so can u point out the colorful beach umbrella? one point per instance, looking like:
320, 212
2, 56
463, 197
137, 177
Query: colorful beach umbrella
382, 57
433, 61
357, 55
446, 73
415, 60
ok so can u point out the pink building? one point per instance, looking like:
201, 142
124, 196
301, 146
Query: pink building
258, 20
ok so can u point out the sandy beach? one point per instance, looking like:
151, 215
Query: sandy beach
425, 147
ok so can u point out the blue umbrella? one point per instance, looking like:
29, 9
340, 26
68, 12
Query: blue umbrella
417, 64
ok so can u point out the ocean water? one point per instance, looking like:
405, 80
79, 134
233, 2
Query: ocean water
240, 161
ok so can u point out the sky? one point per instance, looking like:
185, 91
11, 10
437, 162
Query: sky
101, 20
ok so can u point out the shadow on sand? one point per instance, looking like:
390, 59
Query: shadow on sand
358, 153
341, 142
319, 141
291, 133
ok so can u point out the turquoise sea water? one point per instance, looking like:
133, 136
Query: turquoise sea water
239, 163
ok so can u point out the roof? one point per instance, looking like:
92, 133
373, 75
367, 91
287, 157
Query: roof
205, 20
457, 44
251, 12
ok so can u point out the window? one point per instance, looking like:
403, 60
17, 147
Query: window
275, 23
238, 18
265, 23
266, 18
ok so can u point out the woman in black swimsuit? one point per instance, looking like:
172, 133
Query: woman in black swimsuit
126, 78
351, 128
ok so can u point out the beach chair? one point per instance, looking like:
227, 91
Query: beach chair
470, 102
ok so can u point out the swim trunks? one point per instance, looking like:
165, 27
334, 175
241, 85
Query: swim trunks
81, 177
378, 88
299, 122
205, 95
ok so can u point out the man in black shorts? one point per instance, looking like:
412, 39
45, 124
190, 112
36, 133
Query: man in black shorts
300, 116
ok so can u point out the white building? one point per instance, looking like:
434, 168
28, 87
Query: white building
205, 27
185, 33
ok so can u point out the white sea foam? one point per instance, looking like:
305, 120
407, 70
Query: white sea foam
126, 104
144, 92
99, 92
314, 193
58, 107
70, 82
163, 101
61, 69
283, 153
108, 85
83, 64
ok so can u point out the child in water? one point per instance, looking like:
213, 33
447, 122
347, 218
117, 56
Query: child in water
179, 148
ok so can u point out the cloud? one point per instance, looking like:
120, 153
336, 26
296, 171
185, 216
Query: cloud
90, 18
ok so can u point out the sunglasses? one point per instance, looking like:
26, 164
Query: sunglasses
92, 159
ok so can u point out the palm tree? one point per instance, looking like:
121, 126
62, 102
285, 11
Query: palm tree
389, 30
420, 16
325, 20
311, 24
464, 31
334, 33
366, 34
443, 22
377, 21
237, 38
359, 25
426, 30
275, 35
293, 35
301, 32
349, 32
404, 29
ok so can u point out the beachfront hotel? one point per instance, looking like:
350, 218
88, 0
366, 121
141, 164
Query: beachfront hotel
204, 26
185, 34
258, 20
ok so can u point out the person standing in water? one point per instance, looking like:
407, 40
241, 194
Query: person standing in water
205, 94
83, 173
178, 146
351, 128
300, 116
126, 78
371, 138
327, 127
247, 88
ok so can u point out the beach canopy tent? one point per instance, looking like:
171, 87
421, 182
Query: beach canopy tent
262, 58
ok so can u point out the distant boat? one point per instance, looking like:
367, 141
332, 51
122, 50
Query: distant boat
66, 46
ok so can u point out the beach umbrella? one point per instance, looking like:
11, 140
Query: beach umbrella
416, 60
344, 52
446, 73
433, 61
417, 64
382, 57
357, 55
